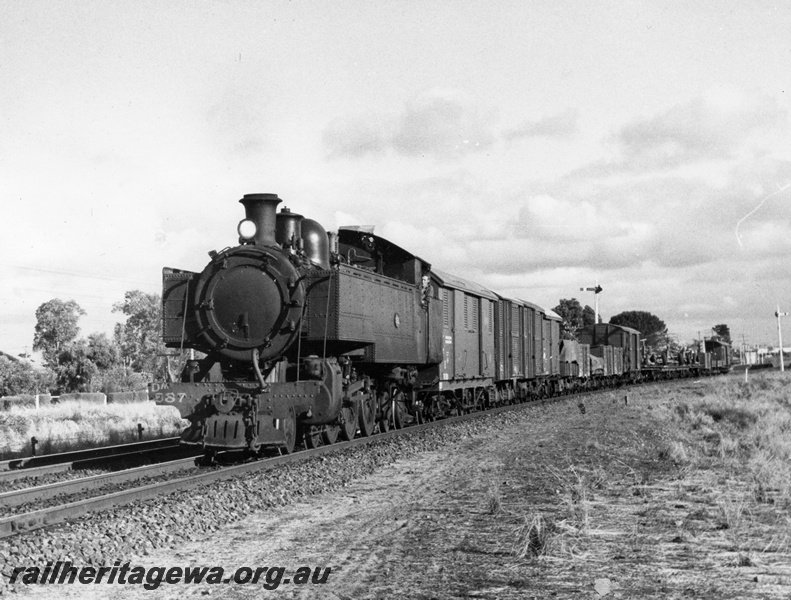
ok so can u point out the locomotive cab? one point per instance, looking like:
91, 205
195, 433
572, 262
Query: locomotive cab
359, 247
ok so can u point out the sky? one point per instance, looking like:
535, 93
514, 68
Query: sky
535, 147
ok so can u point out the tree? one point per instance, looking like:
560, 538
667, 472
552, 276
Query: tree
139, 337
75, 370
572, 314
56, 326
589, 316
642, 321
112, 375
87, 365
102, 351
723, 331
119, 379
15, 378
19, 377
651, 327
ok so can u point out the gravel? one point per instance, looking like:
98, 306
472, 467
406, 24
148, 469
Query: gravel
166, 521
108, 488
39, 480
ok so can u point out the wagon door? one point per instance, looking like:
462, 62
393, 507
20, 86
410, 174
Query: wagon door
472, 322
530, 343
461, 350
499, 339
448, 353
516, 341
487, 337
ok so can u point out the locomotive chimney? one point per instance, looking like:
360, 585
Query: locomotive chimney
261, 209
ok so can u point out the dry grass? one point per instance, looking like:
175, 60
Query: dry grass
536, 537
75, 424
557, 535
733, 511
494, 497
743, 425
576, 494
731, 447
742, 433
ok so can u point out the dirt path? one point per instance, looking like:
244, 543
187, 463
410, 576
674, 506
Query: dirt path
625, 523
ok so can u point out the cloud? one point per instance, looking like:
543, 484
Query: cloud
439, 123
768, 238
568, 231
710, 136
549, 217
563, 125
716, 126
239, 113
355, 138
443, 123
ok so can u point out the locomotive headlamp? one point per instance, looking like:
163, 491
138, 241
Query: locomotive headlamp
246, 229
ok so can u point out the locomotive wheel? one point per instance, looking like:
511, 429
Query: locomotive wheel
330, 434
311, 436
399, 409
367, 415
289, 425
385, 412
349, 418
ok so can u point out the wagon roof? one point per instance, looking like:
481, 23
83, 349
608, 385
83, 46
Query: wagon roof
520, 302
451, 281
535, 307
551, 314
613, 325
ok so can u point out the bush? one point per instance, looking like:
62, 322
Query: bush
736, 416
26, 400
119, 379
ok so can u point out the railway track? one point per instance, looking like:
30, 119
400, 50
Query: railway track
21, 523
71, 487
29, 521
48, 464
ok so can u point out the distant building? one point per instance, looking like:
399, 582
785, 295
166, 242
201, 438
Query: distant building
750, 357
774, 357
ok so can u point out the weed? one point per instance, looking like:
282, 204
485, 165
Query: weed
493, 498
576, 496
732, 511
741, 418
534, 538
744, 560
676, 452
780, 541
599, 478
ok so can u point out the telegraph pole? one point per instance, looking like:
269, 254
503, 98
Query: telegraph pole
779, 314
596, 291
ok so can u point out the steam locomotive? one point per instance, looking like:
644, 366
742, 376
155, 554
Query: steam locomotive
313, 336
